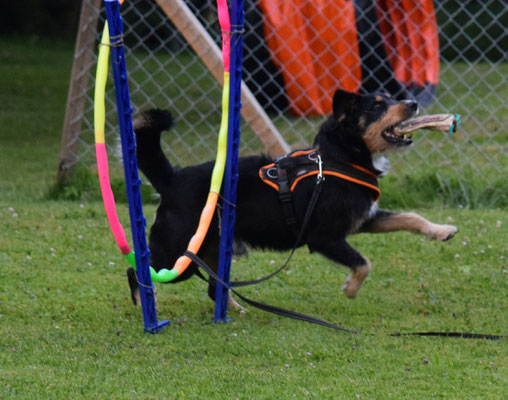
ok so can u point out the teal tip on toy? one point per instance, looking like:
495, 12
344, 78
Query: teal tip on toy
454, 126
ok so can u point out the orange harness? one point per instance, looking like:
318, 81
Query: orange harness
287, 171
301, 164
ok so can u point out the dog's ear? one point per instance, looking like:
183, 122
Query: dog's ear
343, 103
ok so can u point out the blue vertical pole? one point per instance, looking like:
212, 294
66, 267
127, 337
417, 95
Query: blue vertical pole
132, 181
231, 173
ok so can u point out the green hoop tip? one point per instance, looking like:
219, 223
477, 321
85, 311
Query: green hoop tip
162, 276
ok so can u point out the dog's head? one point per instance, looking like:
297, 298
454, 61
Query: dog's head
373, 118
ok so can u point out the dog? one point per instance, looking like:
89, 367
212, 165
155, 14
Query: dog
360, 129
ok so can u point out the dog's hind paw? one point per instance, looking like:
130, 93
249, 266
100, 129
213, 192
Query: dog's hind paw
233, 304
442, 232
355, 280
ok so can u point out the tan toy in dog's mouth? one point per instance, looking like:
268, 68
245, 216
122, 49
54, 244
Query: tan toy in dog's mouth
436, 122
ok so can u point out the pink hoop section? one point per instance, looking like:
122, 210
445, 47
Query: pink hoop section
109, 199
225, 24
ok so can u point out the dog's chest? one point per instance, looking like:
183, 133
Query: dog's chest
369, 213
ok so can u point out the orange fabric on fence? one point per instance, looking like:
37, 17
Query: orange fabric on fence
314, 44
409, 28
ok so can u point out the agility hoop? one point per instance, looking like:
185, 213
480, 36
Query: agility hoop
164, 275
220, 161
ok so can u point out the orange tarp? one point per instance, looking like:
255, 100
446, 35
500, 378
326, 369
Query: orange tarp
315, 45
411, 41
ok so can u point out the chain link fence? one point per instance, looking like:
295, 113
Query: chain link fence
450, 55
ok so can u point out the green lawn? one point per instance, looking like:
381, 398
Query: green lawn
68, 329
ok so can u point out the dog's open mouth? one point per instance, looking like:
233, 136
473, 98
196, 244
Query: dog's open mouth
394, 136
401, 134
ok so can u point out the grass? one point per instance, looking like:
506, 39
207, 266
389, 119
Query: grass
68, 329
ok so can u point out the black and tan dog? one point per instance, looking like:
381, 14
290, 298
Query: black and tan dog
361, 128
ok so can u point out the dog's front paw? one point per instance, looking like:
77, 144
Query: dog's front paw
442, 232
355, 280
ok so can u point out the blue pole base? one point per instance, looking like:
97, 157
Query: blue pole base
223, 321
157, 328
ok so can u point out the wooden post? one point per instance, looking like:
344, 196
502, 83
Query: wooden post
206, 49
83, 56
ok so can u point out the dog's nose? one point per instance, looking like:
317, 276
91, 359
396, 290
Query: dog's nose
411, 105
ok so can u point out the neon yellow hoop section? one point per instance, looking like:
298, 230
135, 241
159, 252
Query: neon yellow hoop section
101, 77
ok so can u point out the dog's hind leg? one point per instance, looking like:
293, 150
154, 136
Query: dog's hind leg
386, 221
355, 279
232, 303
211, 258
343, 253
133, 285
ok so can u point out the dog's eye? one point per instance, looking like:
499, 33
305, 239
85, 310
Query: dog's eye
376, 106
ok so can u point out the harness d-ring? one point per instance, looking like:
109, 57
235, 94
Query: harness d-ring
313, 156
272, 173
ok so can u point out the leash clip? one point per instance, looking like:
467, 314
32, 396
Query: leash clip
320, 176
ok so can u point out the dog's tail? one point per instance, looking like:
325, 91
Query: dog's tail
151, 159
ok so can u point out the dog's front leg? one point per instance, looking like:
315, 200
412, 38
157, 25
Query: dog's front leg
387, 221
343, 253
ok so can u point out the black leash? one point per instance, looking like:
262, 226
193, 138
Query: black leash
262, 306
462, 335
266, 307
299, 316
303, 317
308, 214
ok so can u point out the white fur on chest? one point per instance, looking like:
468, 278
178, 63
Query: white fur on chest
374, 207
382, 164
373, 210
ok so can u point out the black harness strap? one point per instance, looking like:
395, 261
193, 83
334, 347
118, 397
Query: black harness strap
285, 197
